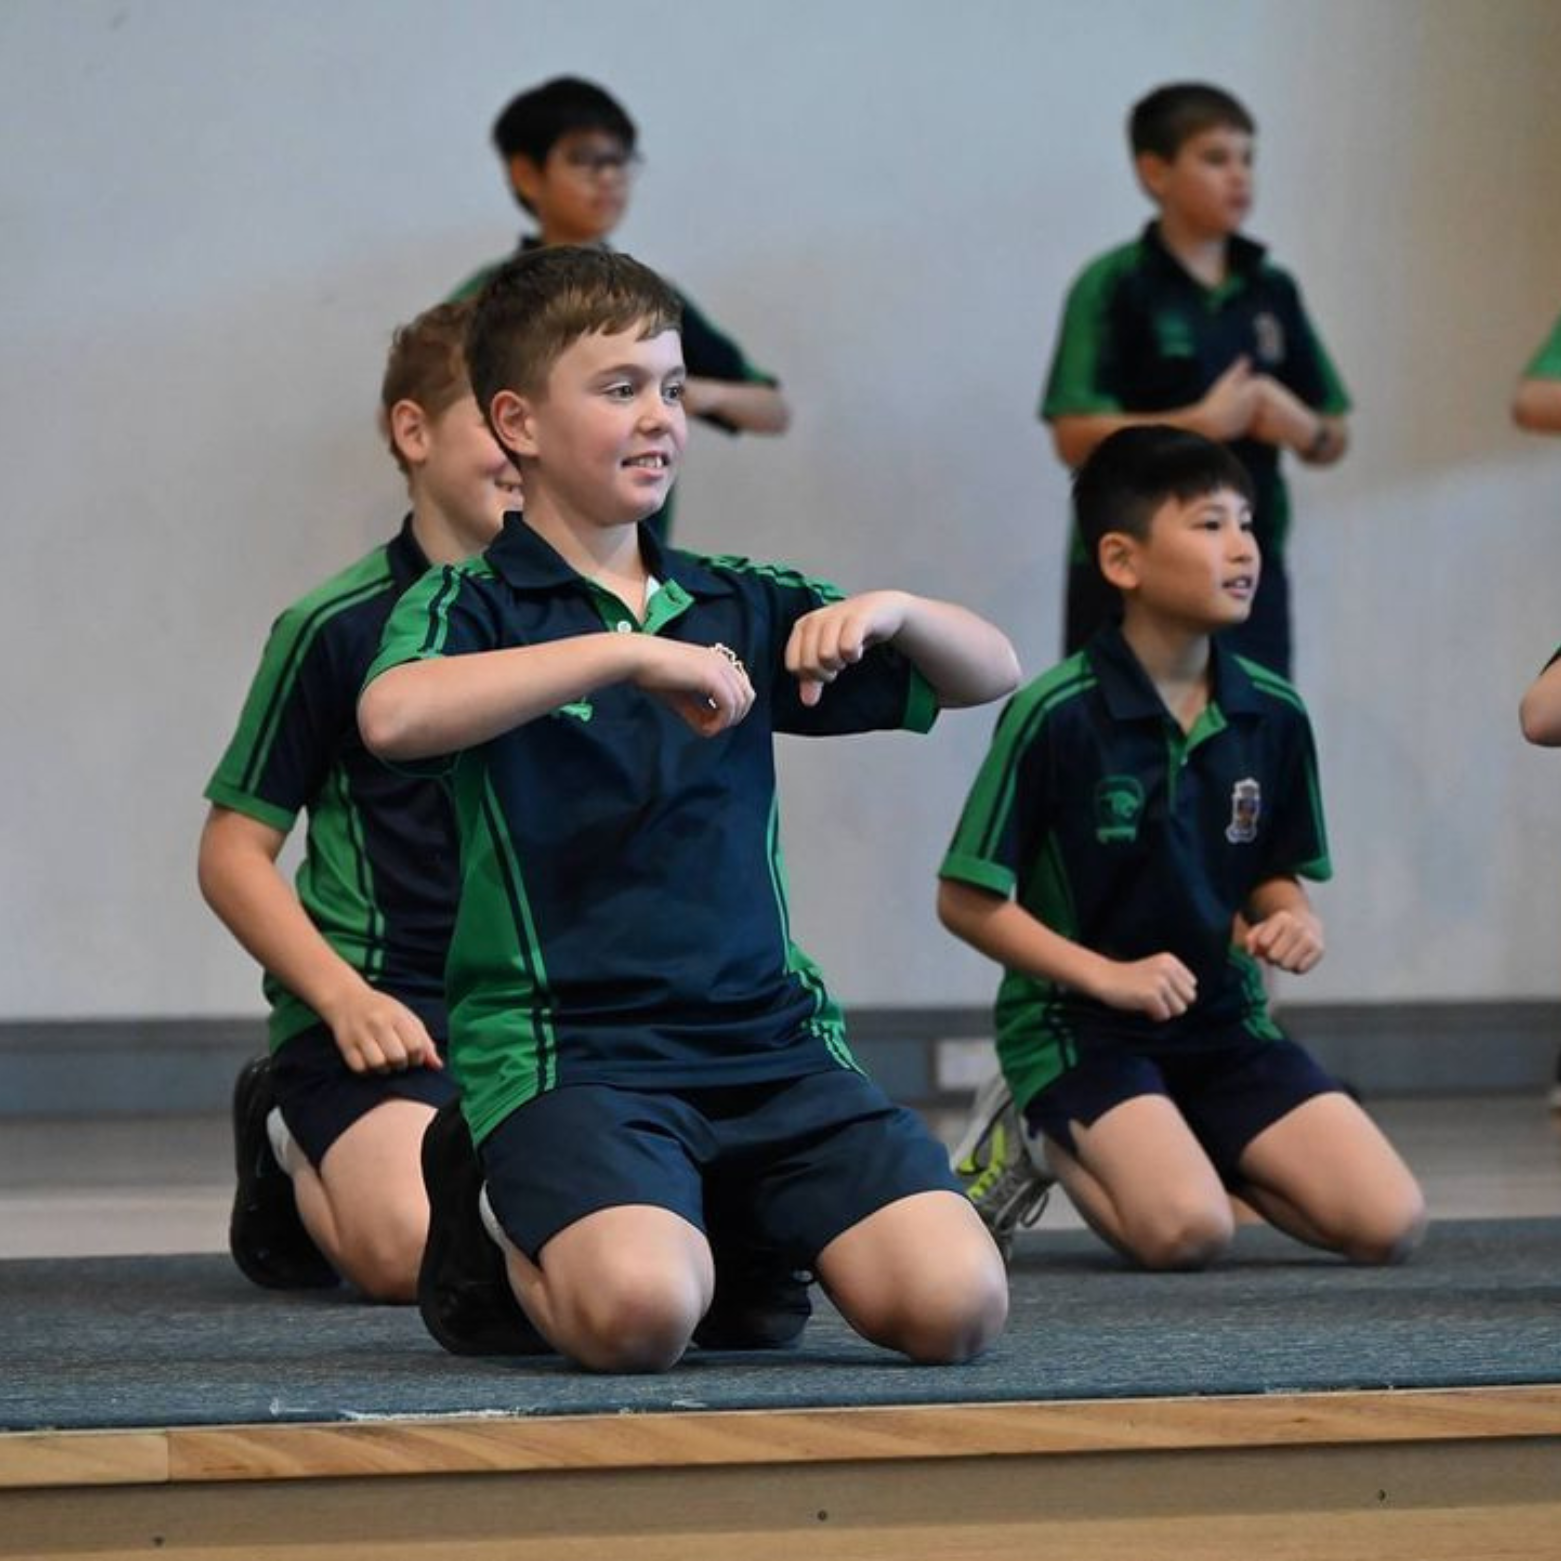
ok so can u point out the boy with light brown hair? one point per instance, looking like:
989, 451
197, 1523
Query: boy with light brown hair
328, 1125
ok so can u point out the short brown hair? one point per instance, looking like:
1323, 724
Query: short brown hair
427, 364
537, 305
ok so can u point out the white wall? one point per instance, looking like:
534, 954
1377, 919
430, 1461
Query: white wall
211, 215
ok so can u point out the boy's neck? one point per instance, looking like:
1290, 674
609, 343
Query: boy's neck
1175, 660
607, 554
442, 542
1203, 255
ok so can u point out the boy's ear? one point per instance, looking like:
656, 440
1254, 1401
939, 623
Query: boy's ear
1152, 170
409, 431
525, 177
1118, 555
512, 422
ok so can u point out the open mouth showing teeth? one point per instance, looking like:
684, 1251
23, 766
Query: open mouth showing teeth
653, 463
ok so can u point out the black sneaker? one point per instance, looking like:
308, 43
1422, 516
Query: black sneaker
760, 1302
463, 1288
265, 1234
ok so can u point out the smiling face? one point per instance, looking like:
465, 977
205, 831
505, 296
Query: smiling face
461, 482
1205, 190
1197, 568
600, 445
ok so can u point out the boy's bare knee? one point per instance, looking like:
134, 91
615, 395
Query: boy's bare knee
1388, 1239
945, 1317
1183, 1238
638, 1327
382, 1257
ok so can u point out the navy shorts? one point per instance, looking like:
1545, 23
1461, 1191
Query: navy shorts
795, 1163
321, 1097
1228, 1094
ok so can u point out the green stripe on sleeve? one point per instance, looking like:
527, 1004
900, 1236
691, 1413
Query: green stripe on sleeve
1073, 385
1546, 363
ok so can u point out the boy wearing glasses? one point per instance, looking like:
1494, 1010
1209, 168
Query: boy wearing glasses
568, 150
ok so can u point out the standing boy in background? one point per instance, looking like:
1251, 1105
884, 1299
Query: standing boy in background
642, 1049
1136, 800
328, 1125
1191, 326
568, 150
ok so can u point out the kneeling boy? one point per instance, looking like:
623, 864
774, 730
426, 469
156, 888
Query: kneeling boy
329, 1124
1136, 801
646, 1059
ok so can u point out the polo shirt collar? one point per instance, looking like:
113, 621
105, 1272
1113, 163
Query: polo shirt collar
408, 562
1130, 696
528, 562
1244, 255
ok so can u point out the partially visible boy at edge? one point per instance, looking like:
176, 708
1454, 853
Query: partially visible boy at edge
569, 154
328, 1125
1192, 326
1135, 801
640, 1046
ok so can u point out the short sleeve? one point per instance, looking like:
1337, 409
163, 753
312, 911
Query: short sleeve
1298, 836
986, 847
290, 728
1078, 383
1546, 363
1310, 371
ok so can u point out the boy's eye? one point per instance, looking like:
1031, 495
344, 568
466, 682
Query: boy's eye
674, 391
622, 391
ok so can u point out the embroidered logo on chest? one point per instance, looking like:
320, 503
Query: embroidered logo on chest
1119, 804
581, 710
1268, 337
1246, 806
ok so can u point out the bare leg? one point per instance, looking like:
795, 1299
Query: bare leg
366, 1207
1143, 1183
1325, 1173
921, 1276
620, 1290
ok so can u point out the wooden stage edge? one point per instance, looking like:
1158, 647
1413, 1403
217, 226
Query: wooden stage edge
1421, 1473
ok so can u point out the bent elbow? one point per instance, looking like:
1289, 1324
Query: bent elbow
379, 724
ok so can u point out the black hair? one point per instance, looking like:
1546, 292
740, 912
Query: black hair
533, 121
1130, 474
1173, 114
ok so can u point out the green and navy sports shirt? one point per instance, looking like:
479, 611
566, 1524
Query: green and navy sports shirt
1140, 333
1108, 823
1546, 363
623, 914
378, 876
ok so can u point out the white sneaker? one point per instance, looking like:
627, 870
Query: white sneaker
993, 1160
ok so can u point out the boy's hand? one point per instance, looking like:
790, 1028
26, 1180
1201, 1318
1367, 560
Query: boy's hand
1289, 940
1282, 418
1231, 403
1161, 986
707, 685
826, 641
377, 1034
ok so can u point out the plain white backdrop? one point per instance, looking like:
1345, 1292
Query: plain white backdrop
212, 214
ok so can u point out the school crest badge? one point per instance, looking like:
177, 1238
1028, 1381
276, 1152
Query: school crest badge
1246, 804
1119, 804
1269, 337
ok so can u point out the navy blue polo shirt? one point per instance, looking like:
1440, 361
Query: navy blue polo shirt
378, 876
623, 914
1140, 333
1112, 826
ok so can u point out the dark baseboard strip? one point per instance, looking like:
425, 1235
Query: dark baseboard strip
138, 1067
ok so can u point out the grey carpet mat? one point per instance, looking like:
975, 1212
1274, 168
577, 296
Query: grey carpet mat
167, 1341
